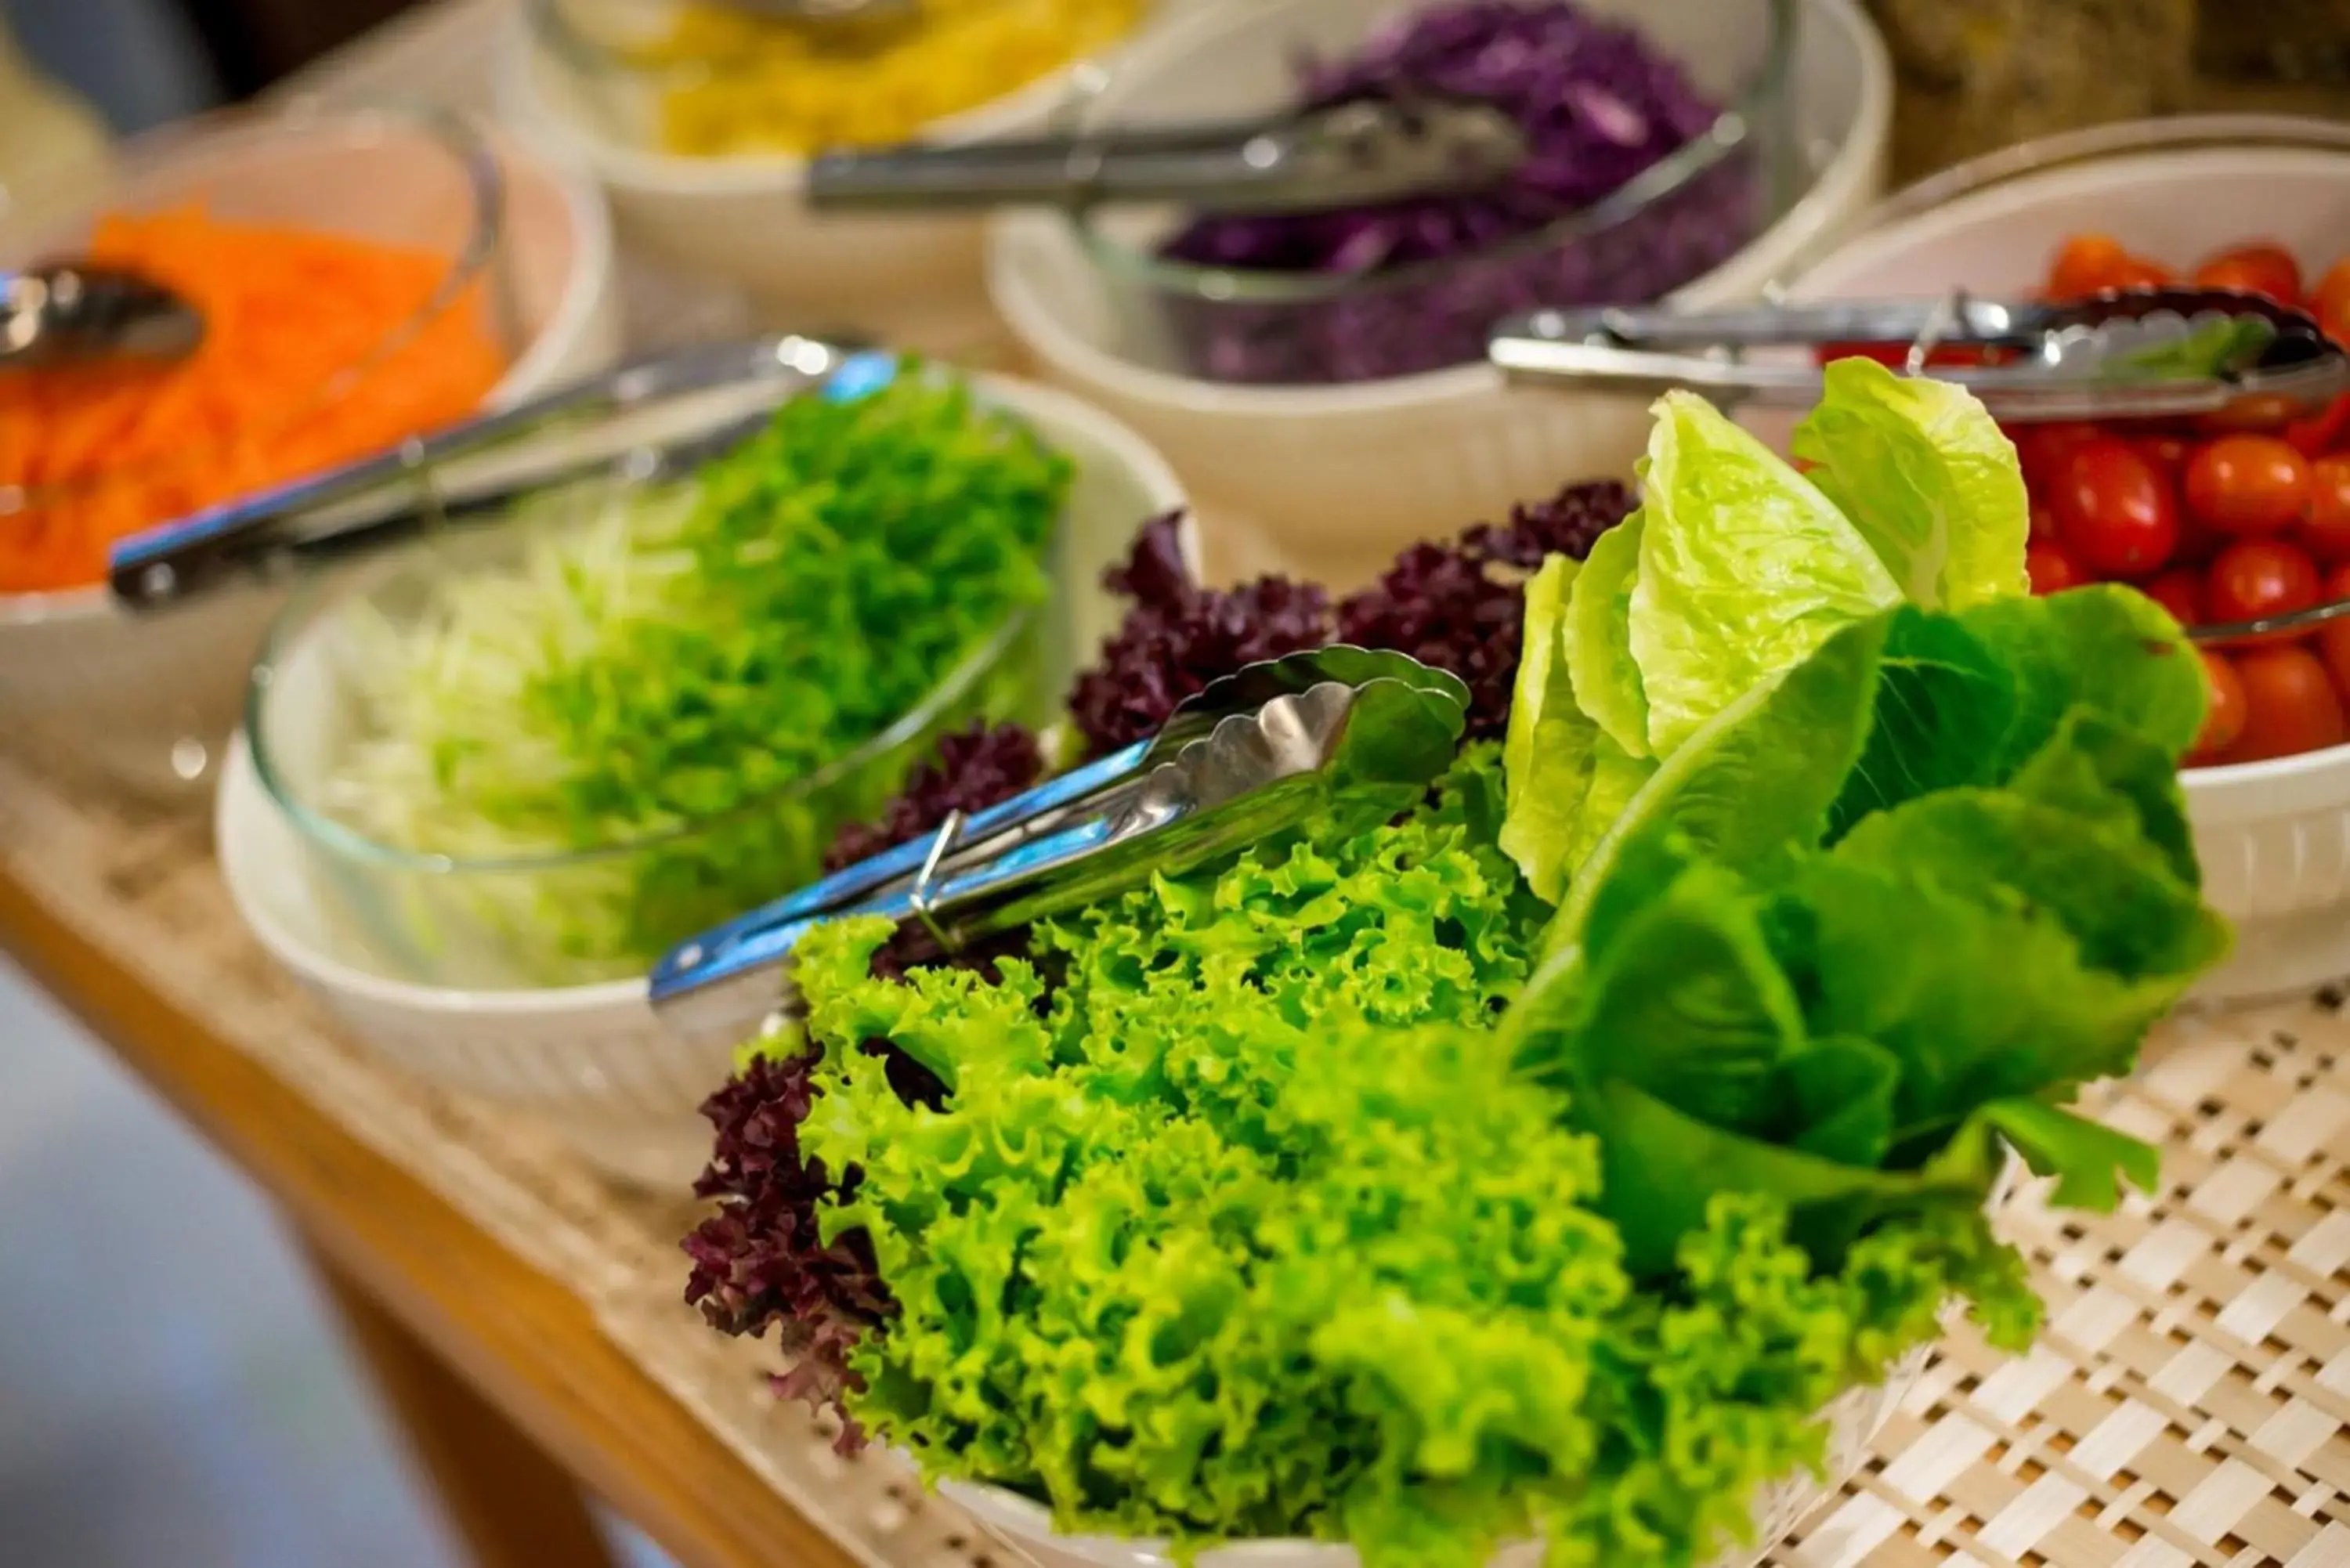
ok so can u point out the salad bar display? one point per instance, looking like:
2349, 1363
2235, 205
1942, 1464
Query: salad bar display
1574, 1039
1536, 1160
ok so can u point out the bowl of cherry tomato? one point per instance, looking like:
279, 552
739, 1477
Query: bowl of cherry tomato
2238, 526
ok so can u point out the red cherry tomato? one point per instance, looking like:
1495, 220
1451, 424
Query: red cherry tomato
2263, 268
2181, 592
2330, 301
2289, 705
2248, 484
2082, 264
2042, 450
2140, 273
2255, 579
2336, 588
2116, 509
2043, 520
2334, 647
2324, 529
2321, 432
2051, 568
2223, 721
2167, 452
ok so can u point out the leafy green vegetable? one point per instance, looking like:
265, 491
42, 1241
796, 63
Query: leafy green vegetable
1838, 1005
1599, 639
1927, 476
665, 666
1246, 1228
1745, 568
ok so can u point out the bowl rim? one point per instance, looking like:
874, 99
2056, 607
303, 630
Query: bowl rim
246, 806
1674, 173
587, 221
1035, 320
522, 53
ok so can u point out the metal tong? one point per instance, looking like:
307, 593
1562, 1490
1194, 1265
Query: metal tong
2136, 353
643, 420
1371, 150
1249, 754
77, 313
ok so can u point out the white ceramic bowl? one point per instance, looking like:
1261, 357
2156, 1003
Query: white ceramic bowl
2273, 837
912, 281
592, 1059
1328, 482
146, 702
1026, 1527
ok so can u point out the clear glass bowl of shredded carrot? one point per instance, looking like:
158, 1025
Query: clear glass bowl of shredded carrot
346, 273
709, 80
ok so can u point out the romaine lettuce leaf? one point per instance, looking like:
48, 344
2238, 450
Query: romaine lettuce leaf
1927, 476
1745, 568
1599, 637
1547, 756
1968, 930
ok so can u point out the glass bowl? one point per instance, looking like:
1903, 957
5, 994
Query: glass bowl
1675, 221
481, 917
427, 186
698, 79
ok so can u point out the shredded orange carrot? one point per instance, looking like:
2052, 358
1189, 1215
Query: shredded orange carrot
293, 376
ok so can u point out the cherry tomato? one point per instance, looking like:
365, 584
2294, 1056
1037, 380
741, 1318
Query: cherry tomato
2043, 520
2255, 579
2321, 432
2263, 268
2051, 568
2223, 721
2140, 273
2289, 705
2044, 449
2336, 586
2330, 301
2167, 452
2181, 592
2116, 509
2260, 413
2082, 266
2334, 647
2325, 528
2248, 484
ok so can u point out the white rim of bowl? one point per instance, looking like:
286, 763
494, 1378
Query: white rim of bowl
241, 787
1038, 326
590, 273
645, 169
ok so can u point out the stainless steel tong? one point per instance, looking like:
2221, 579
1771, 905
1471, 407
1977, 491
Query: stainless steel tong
62, 312
1253, 752
647, 419
2160, 352
1367, 151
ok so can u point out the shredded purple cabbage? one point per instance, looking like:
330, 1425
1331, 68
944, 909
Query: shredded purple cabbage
1599, 105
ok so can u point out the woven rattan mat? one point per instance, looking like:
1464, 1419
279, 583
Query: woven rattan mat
2188, 1407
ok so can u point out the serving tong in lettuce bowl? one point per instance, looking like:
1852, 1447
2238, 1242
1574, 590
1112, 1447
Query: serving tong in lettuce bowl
2135, 353
1366, 150
1337, 727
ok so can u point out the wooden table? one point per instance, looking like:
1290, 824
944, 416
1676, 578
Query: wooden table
514, 1400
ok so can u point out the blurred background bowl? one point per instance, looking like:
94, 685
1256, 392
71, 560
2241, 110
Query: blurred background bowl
1328, 481
396, 943
144, 702
2274, 834
913, 281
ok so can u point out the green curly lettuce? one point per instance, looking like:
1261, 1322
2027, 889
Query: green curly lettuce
1247, 1226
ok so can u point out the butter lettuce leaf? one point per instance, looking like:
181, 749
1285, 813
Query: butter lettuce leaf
1927, 478
1745, 568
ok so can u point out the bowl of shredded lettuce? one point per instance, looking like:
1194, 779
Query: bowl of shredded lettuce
1565, 1169
536, 753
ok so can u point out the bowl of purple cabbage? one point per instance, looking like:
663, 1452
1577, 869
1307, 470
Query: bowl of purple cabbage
1655, 153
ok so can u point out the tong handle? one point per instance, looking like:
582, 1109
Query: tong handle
330, 512
1368, 150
